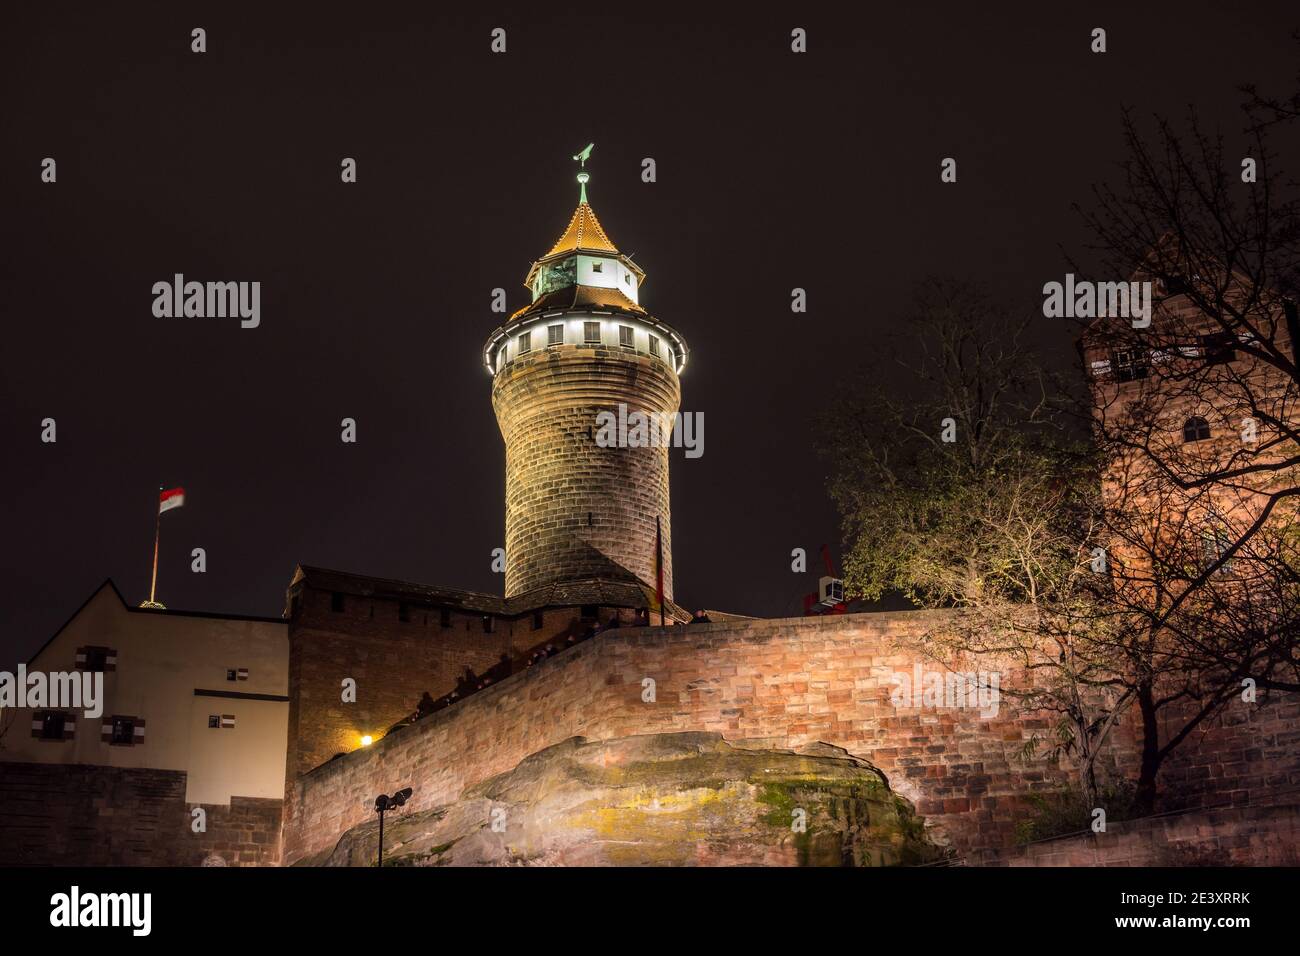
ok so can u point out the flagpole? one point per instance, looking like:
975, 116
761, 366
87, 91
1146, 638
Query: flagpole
659, 569
157, 532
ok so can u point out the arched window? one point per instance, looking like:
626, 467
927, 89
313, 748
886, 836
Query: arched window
1196, 429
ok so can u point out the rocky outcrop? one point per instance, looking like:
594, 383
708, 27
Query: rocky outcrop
685, 799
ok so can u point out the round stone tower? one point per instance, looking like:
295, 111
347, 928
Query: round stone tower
579, 506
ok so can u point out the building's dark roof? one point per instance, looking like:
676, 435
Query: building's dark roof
598, 591
580, 297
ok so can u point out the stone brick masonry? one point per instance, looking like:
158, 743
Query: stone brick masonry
782, 684
573, 509
1231, 836
793, 682
786, 682
393, 661
1246, 753
79, 815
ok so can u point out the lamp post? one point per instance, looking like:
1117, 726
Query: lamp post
384, 803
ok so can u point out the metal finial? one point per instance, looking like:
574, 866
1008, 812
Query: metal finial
583, 176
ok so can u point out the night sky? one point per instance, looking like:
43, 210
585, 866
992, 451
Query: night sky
775, 170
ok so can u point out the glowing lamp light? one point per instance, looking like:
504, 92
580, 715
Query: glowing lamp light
367, 740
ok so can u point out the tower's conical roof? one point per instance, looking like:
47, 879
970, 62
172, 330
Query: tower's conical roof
559, 280
584, 232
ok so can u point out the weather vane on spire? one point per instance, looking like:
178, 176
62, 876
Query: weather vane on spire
583, 176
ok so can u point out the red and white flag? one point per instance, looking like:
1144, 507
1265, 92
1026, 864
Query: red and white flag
171, 498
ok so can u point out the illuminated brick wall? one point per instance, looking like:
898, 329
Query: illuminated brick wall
790, 682
786, 683
575, 510
1165, 399
1232, 836
394, 662
82, 815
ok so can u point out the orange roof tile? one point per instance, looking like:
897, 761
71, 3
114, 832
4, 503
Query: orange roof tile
584, 232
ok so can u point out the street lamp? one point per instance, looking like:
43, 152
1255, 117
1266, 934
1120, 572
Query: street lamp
382, 804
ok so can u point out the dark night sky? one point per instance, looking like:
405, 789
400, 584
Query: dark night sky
775, 171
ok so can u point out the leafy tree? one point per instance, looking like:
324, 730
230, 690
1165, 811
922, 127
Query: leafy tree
1187, 486
968, 490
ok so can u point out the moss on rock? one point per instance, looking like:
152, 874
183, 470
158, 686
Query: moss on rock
660, 799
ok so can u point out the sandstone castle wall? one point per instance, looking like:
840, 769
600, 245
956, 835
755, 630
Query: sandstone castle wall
1230, 836
81, 815
394, 662
787, 683
779, 684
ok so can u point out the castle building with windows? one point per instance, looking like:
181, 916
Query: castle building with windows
1194, 412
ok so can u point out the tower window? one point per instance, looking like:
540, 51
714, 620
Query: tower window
444, 617
1130, 364
627, 277
404, 612
589, 612
336, 602
591, 333
538, 620
1220, 348
214, 721
654, 345
625, 336
597, 267
1196, 429
555, 335
487, 623
525, 342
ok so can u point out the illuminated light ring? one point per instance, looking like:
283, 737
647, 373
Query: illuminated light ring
680, 350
